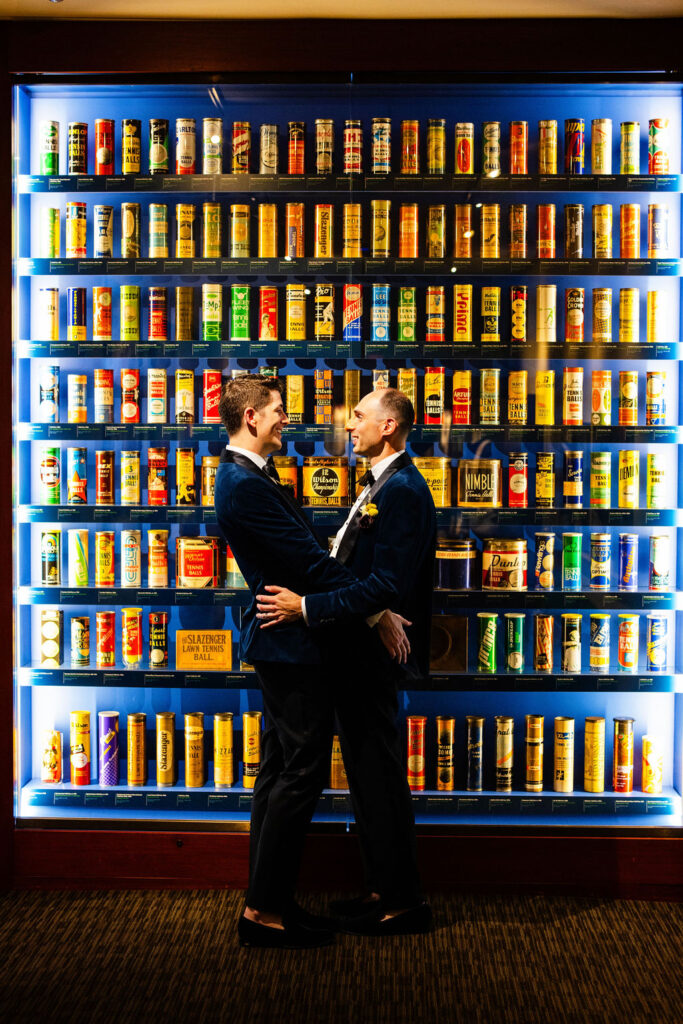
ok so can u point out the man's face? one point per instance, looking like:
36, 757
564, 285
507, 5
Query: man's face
369, 425
268, 423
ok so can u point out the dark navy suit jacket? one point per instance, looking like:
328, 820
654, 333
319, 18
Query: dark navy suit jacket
273, 543
393, 560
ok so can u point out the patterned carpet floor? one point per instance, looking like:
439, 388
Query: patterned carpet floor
167, 956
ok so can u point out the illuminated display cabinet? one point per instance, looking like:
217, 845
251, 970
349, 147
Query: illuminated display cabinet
494, 273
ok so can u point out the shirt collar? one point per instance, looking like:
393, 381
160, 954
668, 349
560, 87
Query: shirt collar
383, 464
257, 459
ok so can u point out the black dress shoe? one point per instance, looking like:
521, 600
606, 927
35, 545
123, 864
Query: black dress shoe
313, 922
415, 921
358, 906
292, 936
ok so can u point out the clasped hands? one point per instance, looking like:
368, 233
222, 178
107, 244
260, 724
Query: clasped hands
279, 605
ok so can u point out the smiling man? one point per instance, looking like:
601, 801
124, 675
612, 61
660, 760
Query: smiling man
388, 542
274, 543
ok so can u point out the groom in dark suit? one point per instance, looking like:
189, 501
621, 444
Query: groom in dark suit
274, 543
388, 542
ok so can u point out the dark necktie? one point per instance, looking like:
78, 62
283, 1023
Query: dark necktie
270, 470
366, 479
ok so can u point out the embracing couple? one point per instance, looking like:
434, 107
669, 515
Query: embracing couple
330, 636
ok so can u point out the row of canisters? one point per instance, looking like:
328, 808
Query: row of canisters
570, 642
478, 483
101, 652
168, 750
449, 397
215, 148
200, 562
563, 771
404, 314
505, 563
432, 231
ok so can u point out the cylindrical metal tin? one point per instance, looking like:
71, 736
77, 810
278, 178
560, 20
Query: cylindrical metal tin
628, 398
104, 146
543, 642
108, 732
353, 147
445, 753
629, 479
195, 770
165, 748
489, 396
602, 316
504, 564
475, 752
629, 150
652, 764
381, 145
514, 641
75, 226
533, 742
574, 315
80, 640
602, 231
546, 314
185, 145
629, 231
657, 231
622, 757
659, 562
504, 753
601, 560
462, 313
463, 232
545, 561
79, 729
438, 477
571, 561
545, 397
546, 241
455, 561
519, 147
594, 753
571, 642
105, 639
408, 231
547, 147
599, 652
518, 480
490, 231
157, 476
563, 755
381, 228
658, 144
574, 146
488, 640
656, 651
480, 483
464, 147
325, 481
157, 558
268, 150
136, 749
572, 396
518, 316
77, 148
251, 747
241, 147
572, 483
415, 726
223, 755
158, 639
601, 145
628, 642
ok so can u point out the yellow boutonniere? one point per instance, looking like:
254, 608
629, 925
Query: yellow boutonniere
368, 514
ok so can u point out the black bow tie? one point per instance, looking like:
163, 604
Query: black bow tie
366, 479
270, 470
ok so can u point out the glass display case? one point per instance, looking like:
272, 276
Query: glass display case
509, 255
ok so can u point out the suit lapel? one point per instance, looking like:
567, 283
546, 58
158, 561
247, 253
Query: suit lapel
246, 463
353, 530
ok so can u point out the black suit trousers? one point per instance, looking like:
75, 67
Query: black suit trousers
296, 749
366, 703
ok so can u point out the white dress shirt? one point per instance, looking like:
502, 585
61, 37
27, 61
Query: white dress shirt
377, 471
257, 459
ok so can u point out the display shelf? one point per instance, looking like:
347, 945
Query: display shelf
331, 350
546, 435
334, 267
463, 682
188, 349
335, 517
449, 804
428, 433
157, 596
344, 183
558, 516
486, 350
588, 600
